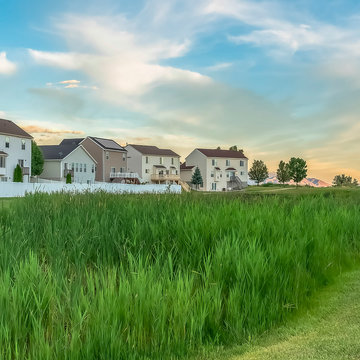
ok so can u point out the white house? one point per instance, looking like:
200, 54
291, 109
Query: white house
59, 160
153, 165
15, 148
221, 170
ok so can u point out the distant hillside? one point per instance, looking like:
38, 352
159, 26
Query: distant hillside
307, 181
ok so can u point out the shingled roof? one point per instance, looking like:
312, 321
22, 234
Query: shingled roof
7, 127
183, 166
154, 150
72, 141
57, 152
229, 154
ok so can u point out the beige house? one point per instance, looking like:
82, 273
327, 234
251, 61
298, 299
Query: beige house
60, 160
153, 165
111, 158
221, 170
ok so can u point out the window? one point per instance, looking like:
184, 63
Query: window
65, 166
122, 169
22, 144
2, 161
241, 163
124, 157
7, 142
77, 167
146, 160
214, 162
172, 161
212, 174
21, 163
107, 155
161, 161
146, 171
241, 173
92, 168
81, 167
3, 178
213, 186
227, 162
72, 166
84, 167
113, 170
227, 175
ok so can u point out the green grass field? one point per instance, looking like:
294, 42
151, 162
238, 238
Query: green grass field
100, 276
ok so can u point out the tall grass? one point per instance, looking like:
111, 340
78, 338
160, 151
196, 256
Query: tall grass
99, 276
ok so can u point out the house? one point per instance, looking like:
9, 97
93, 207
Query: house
111, 158
154, 165
15, 148
221, 170
68, 158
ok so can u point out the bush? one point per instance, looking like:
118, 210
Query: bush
68, 178
18, 176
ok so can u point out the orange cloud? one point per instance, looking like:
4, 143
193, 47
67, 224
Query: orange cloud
33, 129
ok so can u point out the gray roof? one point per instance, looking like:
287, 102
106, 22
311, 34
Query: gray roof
153, 150
107, 144
72, 141
9, 128
57, 152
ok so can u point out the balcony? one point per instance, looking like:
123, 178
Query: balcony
164, 177
25, 170
67, 171
2, 171
124, 175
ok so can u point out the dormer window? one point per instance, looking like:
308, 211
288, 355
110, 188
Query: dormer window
22, 144
7, 142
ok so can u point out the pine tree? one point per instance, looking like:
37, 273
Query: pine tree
68, 178
258, 171
18, 176
197, 178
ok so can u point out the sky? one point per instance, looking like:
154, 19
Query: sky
277, 78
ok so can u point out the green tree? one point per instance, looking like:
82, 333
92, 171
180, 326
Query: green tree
37, 160
283, 172
218, 148
197, 178
297, 169
235, 148
344, 180
258, 171
18, 176
68, 178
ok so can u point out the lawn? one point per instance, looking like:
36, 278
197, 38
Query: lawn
329, 330
101, 276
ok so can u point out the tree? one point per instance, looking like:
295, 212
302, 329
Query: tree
343, 180
197, 178
297, 169
68, 178
258, 171
37, 160
18, 176
235, 148
218, 148
283, 172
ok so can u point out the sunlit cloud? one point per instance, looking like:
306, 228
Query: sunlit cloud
6, 66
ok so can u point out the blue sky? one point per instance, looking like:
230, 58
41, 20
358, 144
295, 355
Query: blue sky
278, 78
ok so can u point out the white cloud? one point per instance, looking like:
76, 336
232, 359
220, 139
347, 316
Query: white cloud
6, 66
220, 66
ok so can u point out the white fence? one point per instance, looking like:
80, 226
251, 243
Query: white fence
21, 189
